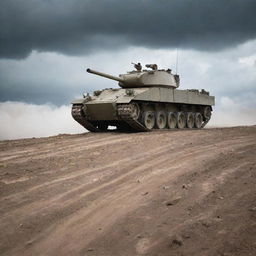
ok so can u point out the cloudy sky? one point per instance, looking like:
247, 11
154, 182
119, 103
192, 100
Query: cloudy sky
46, 45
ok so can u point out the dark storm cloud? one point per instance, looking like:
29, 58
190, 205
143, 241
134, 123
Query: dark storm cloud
80, 26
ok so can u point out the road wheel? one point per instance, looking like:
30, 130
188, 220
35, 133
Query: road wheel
198, 120
190, 120
207, 113
161, 119
172, 120
135, 111
181, 120
149, 119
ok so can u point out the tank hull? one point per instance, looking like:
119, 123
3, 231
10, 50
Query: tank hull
118, 107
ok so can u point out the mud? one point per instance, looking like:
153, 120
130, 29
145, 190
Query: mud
160, 193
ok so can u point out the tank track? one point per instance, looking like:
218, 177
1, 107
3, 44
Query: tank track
124, 112
205, 122
79, 116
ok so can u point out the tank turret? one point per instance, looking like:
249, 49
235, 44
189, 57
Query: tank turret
144, 78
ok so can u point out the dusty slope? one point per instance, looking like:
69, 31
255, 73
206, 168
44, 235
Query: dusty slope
161, 193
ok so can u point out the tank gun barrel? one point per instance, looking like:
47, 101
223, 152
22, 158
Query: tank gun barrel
104, 75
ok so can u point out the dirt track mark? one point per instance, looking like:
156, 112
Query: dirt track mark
125, 163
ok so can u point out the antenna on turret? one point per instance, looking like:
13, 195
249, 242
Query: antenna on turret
177, 61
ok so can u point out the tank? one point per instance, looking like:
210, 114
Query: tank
147, 99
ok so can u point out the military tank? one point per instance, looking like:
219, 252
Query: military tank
147, 99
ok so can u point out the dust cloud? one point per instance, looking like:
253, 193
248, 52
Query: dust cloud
22, 120
229, 113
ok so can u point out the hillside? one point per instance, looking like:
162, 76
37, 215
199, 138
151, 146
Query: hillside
159, 193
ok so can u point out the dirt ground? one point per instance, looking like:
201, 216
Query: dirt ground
160, 193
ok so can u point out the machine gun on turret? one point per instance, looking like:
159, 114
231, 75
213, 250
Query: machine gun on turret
137, 66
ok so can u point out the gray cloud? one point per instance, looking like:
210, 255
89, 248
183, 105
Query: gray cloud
57, 79
82, 26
